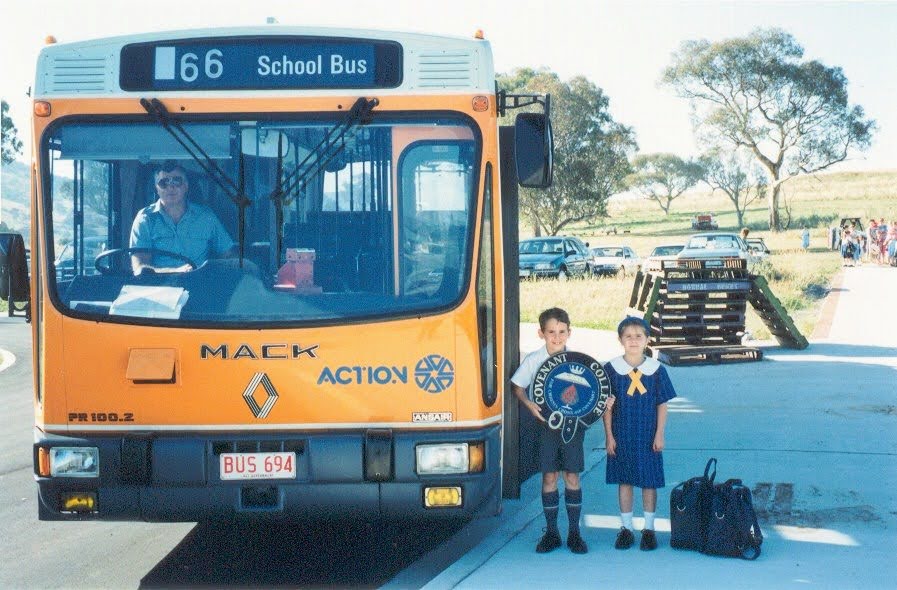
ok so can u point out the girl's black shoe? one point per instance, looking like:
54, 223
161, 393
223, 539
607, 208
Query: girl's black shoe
649, 540
625, 539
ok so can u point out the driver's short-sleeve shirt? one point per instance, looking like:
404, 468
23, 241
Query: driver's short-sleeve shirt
198, 235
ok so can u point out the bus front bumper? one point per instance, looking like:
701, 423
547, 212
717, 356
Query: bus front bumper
178, 478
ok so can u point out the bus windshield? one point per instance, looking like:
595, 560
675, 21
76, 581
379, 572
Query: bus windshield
312, 220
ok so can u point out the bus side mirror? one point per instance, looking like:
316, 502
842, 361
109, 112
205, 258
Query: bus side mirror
534, 150
13, 270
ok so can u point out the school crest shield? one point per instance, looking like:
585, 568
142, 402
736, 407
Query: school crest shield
571, 388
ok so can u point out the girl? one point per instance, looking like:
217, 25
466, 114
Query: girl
635, 429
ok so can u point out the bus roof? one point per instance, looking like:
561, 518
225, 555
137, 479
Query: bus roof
433, 64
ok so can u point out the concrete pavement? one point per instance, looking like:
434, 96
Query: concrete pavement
813, 432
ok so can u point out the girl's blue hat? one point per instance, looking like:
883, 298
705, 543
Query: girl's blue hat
633, 321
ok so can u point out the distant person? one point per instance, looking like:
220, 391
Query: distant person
891, 243
805, 239
849, 247
635, 429
873, 236
555, 456
176, 225
883, 230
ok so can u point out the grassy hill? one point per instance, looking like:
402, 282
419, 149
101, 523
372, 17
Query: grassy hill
800, 279
15, 209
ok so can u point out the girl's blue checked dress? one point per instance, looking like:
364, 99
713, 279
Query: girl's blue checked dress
638, 391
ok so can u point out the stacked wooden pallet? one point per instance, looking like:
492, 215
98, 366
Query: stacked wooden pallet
773, 314
696, 311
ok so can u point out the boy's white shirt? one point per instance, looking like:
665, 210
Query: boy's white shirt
649, 366
523, 376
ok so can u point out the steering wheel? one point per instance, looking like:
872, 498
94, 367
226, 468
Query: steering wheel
108, 269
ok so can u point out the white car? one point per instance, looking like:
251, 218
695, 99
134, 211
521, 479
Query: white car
758, 247
666, 252
717, 247
614, 260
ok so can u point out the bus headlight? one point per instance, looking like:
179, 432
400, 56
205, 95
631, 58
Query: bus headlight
442, 459
74, 462
438, 459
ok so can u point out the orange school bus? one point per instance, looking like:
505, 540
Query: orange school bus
319, 329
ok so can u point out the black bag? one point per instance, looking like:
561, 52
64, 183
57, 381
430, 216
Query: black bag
689, 510
732, 527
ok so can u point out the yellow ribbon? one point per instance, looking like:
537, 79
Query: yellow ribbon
636, 384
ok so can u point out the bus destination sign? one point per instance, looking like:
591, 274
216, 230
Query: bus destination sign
260, 63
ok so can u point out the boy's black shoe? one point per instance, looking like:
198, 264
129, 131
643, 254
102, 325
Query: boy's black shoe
548, 542
625, 539
649, 541
576, 544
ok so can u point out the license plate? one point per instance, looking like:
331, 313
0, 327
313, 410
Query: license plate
257, 465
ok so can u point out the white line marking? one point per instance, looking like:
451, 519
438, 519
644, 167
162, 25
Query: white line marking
789, 533
7, 359
808, 535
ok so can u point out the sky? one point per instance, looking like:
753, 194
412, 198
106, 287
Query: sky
621, 46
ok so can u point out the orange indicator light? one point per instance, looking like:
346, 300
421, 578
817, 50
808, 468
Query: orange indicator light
43, 462
41, 108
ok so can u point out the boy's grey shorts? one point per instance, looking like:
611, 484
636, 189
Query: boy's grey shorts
554, 455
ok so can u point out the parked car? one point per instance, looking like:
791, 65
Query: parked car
614, 260
704, 221
758, 247
856, 222
716, 245
666, 252
554, 256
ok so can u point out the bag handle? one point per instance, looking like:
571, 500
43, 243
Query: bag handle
753, 552
707, 474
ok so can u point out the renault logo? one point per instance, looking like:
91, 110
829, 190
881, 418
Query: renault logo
270, 393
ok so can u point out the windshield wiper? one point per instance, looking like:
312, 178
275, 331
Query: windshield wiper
328, 148
236, 192
332, 144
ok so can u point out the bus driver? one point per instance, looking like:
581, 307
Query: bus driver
174, 224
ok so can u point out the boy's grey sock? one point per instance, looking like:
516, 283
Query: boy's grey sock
573, 501
550, 502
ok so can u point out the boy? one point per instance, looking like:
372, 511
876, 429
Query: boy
554, 455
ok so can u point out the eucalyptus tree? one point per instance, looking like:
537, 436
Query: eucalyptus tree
662, 178
11, 145
591, 151
758, 93
737, 175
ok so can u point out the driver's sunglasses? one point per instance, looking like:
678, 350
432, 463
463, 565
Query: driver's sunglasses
174, 181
